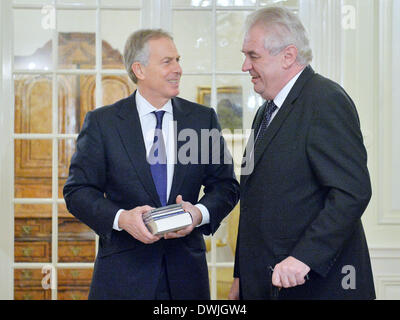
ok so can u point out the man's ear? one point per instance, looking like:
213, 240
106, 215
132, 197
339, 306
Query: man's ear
289, 56
138, 70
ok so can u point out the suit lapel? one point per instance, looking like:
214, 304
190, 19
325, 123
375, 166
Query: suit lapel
258, 119
180, 119
250, 144
283, 113
130, 131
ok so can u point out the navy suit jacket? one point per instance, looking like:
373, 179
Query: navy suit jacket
305, 197
109, 171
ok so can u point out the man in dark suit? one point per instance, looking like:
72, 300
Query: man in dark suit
300, 232
117, 174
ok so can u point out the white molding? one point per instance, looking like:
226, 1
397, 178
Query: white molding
382, 282
386, 269
386, 214
157, 14
6, 153
384, 253
322, 20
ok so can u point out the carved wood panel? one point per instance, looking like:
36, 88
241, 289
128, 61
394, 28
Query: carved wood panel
33, 160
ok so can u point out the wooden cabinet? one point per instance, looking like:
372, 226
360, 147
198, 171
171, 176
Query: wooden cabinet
73, 284
33, 243
28, 285
34, 161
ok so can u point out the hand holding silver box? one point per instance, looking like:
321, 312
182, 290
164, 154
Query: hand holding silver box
167, 219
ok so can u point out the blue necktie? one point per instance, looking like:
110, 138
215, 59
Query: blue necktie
269, 110
158, 160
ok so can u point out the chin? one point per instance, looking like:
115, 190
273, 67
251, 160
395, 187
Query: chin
174, 93
259, 90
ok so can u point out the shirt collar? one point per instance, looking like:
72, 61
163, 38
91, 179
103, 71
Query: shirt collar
144, 107
281, 96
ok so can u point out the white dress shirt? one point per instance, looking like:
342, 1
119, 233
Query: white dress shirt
282, 95
148, 123
280, 99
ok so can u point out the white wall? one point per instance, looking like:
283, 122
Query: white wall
363, 58
369, 70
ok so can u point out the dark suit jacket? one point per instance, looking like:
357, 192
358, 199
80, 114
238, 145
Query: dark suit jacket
109, 171
306, 195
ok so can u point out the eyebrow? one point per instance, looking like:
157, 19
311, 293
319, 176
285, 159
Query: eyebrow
251, 52
170, 58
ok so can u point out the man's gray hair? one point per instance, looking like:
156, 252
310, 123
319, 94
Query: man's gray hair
137, 48
283, 28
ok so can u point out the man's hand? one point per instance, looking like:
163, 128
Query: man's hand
132, 222
289, 273
196, 216
234, 293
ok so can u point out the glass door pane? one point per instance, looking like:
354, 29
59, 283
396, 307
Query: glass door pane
76, 39
113, 43
32, 46
50, 107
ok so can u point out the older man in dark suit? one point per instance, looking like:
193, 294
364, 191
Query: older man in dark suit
300, 231
117, 174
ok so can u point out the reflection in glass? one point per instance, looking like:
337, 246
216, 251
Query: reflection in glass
195, 50
116, 88
19, 2
191, 3
28, 285
236, 3
33, 104
77, 2
127, 21
249, 101
224, 282
190, 85
229, 105
33, 168
73, 284
76, 241
76, 96
230, 33
66, 148
32, 232
287, 3
76, 39
32, 45
225, 237
225, 240
124, 3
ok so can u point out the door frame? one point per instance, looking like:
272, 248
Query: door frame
6, 153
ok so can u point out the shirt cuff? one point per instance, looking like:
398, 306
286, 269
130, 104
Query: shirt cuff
115, 225
204, 213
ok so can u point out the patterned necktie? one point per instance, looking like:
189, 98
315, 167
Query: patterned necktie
269, 110
158, 160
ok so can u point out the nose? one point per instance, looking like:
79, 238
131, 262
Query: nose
177, 67
246, 65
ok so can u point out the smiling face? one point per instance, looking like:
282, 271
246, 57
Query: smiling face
158, 81
267, 71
